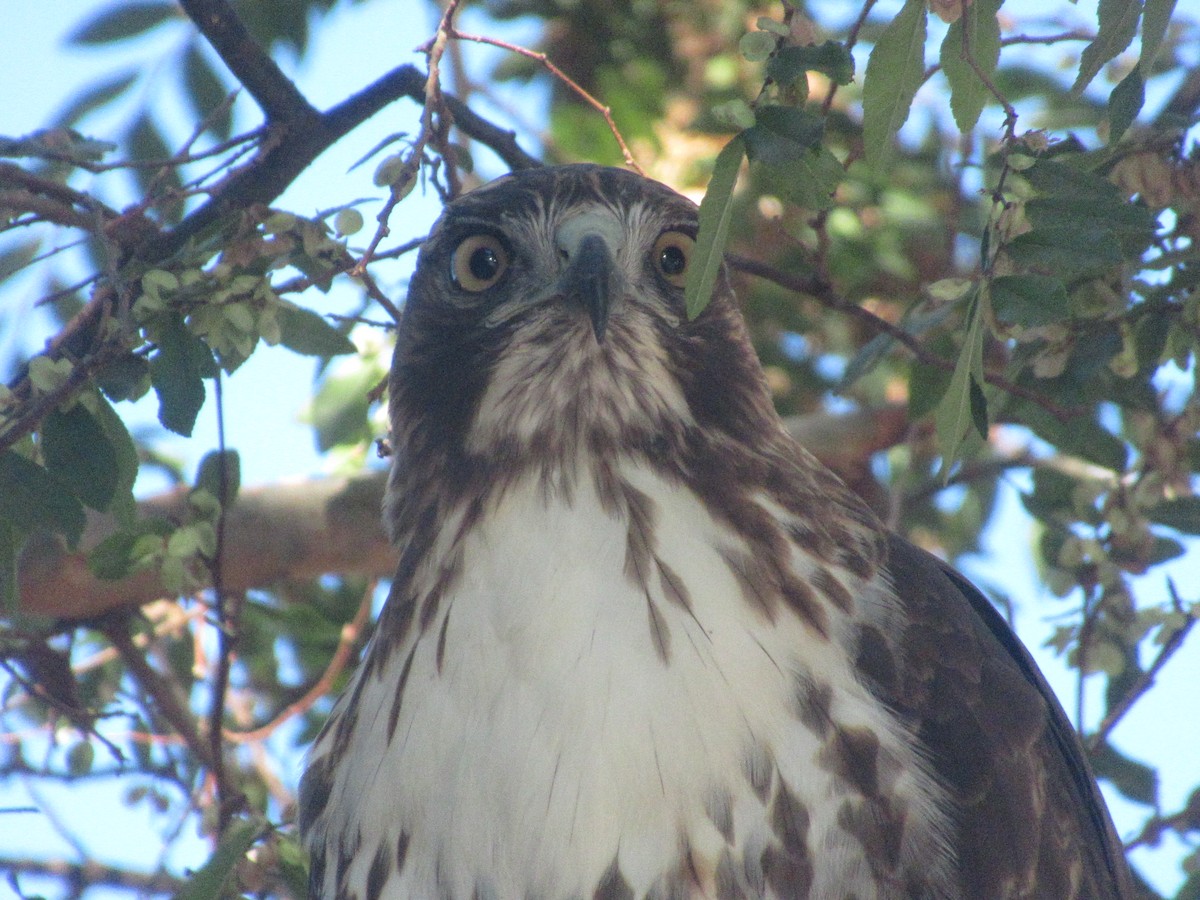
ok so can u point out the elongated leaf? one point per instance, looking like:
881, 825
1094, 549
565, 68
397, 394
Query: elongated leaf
1134, 779
715, 211
1155, 20
177, 372
1118, 24
959, 408
80, 455
95, 97
123, 21
31, 499
206, 91
207, 882
894, 72
981, 29
1180, 513
306, 333
1124, 103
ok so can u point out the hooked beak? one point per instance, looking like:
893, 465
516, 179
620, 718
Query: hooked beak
592, 278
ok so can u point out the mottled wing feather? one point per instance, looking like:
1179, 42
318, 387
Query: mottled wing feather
1032, 822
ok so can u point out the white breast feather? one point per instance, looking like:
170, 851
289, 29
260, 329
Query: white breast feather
555, 739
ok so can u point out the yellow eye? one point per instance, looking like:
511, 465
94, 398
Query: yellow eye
672, 253
479, 262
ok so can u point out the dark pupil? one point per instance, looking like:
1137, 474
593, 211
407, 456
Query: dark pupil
484, 263
673, 261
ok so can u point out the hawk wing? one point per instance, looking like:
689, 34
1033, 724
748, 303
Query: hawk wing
1031, 821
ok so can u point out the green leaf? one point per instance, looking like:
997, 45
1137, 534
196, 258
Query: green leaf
968, 93
1118, 24
830, 58
756, 46
1135, 780
927, 385
1156, 18
95, 97
960, 406
219, 470
1030, 300
895, 70
207, 92
1079, 436
1125, 103
1180, 513
715, 212
124, 21
32, 499
117, 555
782, 135
1131, 224
341, 408
1066, 251
305, 332
177, 372
206, 883
808, 181
78, 452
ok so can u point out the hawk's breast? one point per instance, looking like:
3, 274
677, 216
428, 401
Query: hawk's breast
591, 698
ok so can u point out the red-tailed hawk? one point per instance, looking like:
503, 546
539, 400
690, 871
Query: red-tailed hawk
640, 643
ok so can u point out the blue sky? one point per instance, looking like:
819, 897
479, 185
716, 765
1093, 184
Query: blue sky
265, 398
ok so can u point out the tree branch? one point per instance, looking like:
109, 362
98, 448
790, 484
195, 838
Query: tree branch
289, 531
92, 874
279, 99
823, 292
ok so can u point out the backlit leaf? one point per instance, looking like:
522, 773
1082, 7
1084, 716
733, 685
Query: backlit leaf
968, 93
895, 70
124, 21
1125, 103
305, 332
1156, 18
80, 455
830, 58
177, 372
1030, 300
959, 407
1118, 24
32, 499
715, 212
1180, 513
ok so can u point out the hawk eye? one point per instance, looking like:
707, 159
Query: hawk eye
672, 253
479, 262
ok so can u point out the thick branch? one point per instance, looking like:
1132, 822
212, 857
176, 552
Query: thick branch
287, 531
274, 92
92, 874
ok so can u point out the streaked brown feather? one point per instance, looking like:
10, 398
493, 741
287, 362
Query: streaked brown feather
1032, 822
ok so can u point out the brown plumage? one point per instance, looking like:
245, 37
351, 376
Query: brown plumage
640, 643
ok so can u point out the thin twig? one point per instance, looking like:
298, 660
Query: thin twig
1144, 681
159, 689
824, 294
347, 641
403, 184
562, 76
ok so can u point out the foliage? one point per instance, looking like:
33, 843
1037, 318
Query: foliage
923, 211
